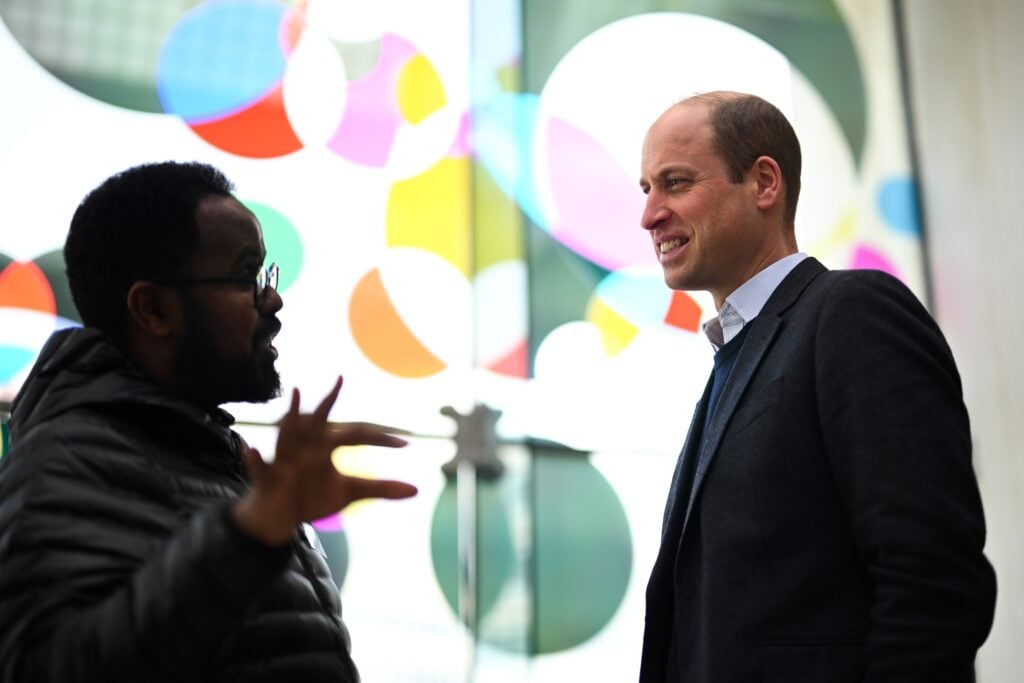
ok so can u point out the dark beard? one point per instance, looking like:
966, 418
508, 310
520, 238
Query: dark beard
214, 377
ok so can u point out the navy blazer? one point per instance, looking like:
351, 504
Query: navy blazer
835, 531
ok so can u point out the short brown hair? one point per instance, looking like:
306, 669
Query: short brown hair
746, 127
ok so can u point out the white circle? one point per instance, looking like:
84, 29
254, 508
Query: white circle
615, 82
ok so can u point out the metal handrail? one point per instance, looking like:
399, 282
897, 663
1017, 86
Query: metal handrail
525, 441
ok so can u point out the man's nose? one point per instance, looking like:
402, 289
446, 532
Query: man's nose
654, 213
272, 301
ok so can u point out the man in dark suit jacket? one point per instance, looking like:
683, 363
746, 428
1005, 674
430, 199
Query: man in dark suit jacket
824, 523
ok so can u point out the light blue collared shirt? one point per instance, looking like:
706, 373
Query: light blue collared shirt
746, 302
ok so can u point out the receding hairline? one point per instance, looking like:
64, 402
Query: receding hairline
771, 128
713, 98
710, 101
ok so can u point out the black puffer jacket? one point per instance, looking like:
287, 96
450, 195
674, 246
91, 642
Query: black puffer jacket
119, 556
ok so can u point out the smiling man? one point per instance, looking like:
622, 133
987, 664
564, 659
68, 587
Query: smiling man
140, 538
823, 522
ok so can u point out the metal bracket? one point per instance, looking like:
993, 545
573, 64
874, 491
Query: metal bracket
476, 441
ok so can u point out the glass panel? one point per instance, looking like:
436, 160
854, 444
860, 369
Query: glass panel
450, 191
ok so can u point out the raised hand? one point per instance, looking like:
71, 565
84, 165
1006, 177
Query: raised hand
302, 484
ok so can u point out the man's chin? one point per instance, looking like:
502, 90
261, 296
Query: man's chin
259, 386
267, 386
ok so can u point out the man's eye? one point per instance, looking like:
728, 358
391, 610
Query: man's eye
675, 182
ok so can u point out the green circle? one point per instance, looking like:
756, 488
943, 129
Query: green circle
5, 438
108, 49
494, 545
335, 544
579, 556
583, 551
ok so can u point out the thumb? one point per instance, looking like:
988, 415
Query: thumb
254, 463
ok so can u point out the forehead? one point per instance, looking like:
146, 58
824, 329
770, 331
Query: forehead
682, 133
228, 232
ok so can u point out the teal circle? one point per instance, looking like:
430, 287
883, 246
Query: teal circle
283, 243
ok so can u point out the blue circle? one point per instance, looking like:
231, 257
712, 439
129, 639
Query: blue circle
897, 202
221, 58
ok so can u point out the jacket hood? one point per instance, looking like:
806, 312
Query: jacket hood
80, 367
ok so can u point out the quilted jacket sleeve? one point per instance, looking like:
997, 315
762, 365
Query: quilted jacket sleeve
101, 580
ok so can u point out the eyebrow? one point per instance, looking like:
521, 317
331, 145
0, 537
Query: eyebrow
248, 255
668, 170
674, 168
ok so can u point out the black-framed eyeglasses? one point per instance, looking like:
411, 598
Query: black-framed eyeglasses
265, 279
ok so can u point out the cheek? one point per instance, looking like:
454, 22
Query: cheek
237, 329
725, 225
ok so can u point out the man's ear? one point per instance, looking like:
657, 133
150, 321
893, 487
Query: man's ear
152, 309
768, 179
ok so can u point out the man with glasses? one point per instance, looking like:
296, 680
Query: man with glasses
140, 538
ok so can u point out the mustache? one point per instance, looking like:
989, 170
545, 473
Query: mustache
268, 329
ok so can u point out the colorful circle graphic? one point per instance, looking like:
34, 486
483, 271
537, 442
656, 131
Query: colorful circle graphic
897, 202
431, 212
628, 300
34, 302
5, 438
335, 545
282, 241
254, 78
402, 89
411, 314
221, 70
573, 602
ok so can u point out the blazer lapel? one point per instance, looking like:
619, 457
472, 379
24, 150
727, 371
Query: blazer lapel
762, 333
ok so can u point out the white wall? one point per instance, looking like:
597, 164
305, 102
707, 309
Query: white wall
966, 67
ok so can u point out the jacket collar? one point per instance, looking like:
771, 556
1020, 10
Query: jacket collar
82, 368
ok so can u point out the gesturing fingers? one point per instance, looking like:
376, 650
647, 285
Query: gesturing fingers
364, 433
359, 488
303, 435
322, 410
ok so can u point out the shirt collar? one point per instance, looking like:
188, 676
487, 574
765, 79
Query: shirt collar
744, 304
